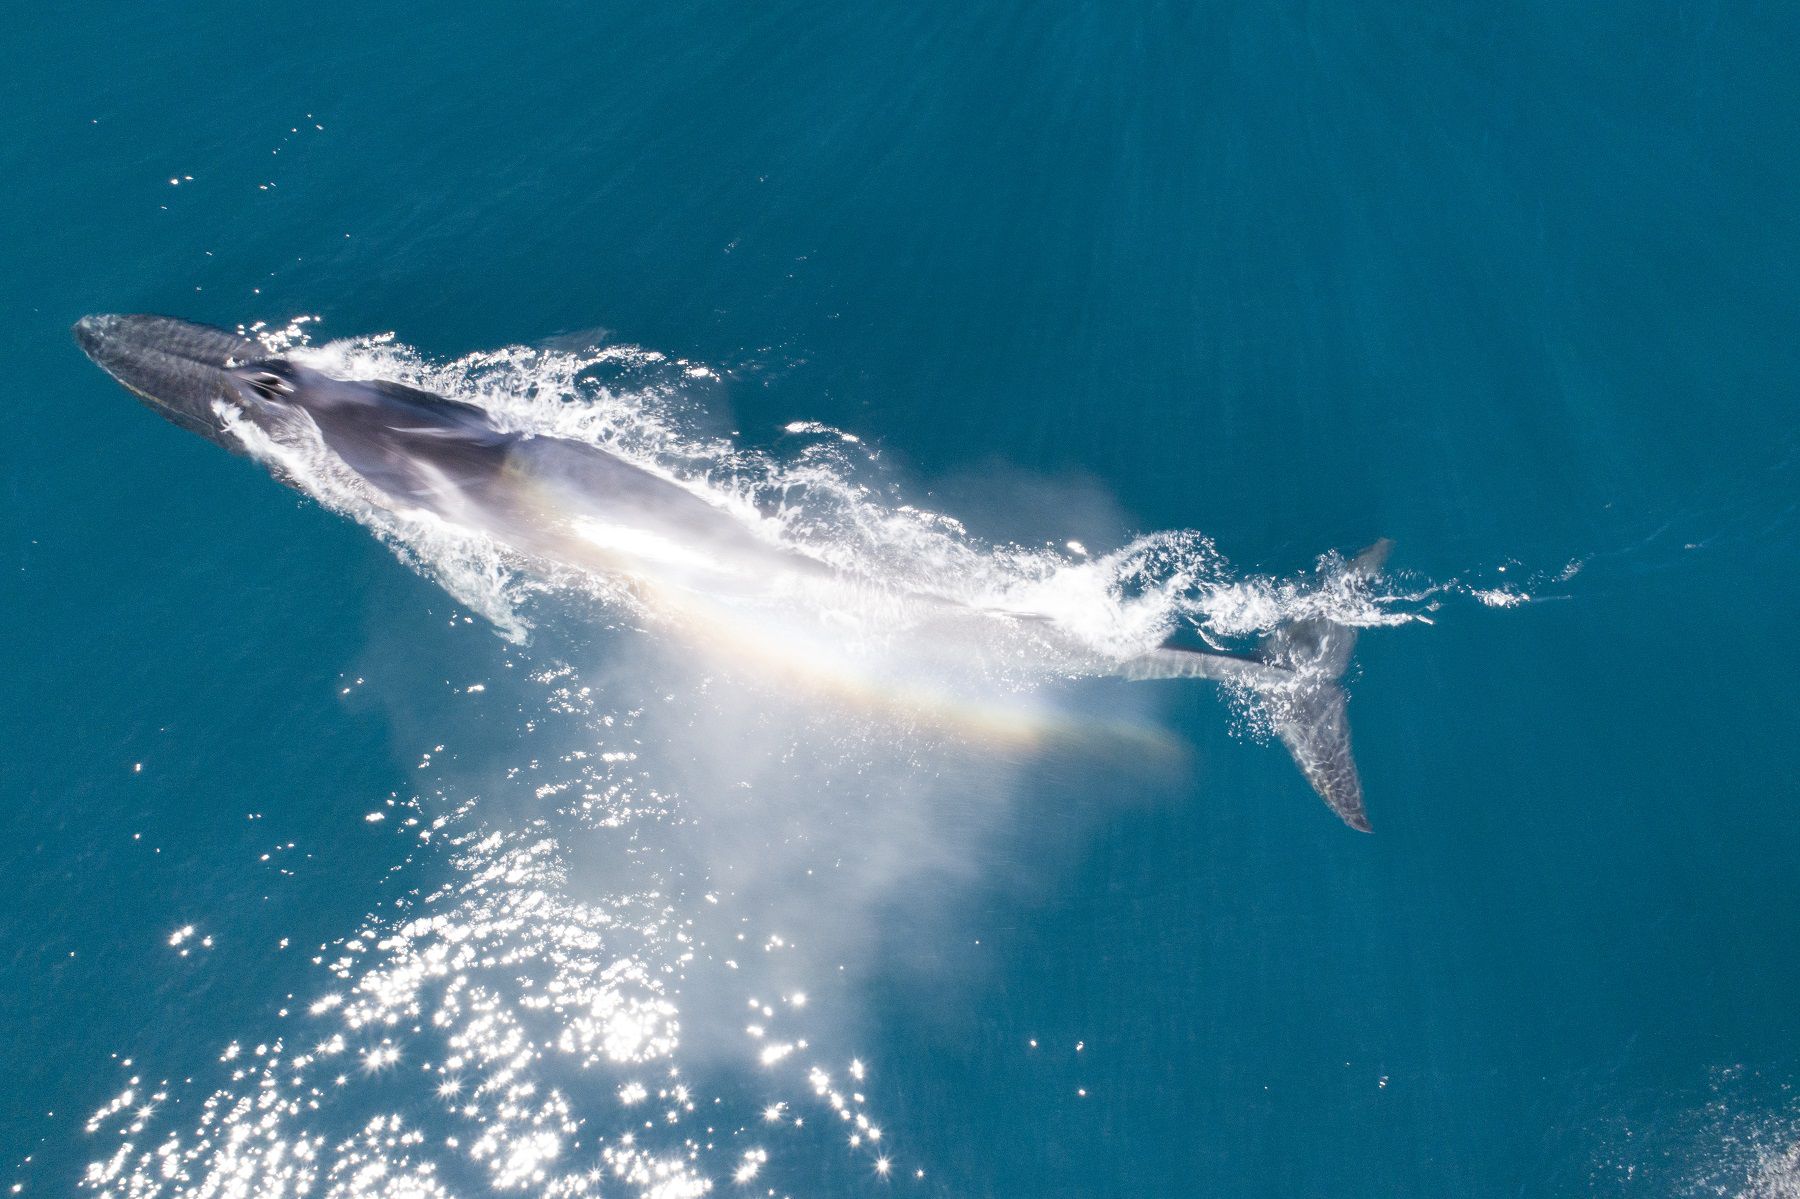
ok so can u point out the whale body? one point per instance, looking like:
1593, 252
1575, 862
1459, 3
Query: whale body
573, 503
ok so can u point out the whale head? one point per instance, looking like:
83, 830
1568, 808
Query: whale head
193, 375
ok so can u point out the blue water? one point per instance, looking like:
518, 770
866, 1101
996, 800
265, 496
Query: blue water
1514, 287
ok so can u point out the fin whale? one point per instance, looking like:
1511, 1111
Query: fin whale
429, 452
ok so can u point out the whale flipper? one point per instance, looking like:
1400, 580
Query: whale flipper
1295, 673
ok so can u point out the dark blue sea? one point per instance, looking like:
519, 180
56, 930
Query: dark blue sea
346, 857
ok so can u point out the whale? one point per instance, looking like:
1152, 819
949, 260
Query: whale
579, 505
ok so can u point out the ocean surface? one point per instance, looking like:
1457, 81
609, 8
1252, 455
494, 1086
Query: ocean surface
349, 860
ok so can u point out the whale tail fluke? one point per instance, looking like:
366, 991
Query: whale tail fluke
1295, 672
